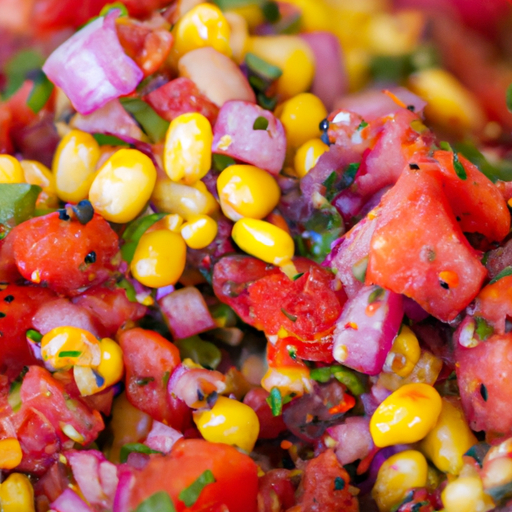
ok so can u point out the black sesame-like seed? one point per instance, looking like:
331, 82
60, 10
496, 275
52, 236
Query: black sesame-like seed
90, 258
411, 108
2, 315
63, 214
84, 211
444, 285
324, 125
414, 167
483, 392
325, 139
9, 299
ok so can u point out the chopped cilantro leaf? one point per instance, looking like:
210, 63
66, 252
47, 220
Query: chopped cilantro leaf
191, 494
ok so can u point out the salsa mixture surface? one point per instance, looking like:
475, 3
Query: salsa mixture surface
255, 256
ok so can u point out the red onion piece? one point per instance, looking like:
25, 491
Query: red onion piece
413, 310
91, 66
110, 119
330, 80
365, 331
164, 291
353, 438
69, 501
126, 481
235, 136
186, 313
95, 475
162, 437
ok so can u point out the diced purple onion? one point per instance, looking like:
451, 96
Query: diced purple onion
164, 291
126, 481
69, 501
91, 66
161, 437
353, 438
365, 332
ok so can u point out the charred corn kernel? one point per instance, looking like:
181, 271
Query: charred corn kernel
184, 200
449, 103
199, 231
204, 25
10, 170
307, 156
449, 440
405, 353
111, 366
466, 494
230, 422
400, 473
36, 173
159, 259
394, 34
247, 191
263, 240
123, 185
314, 15
74, 165
288, 380
290, 54
239, 33
406, 416
68, 346
188, 148
10, 453
301, 116
17, 494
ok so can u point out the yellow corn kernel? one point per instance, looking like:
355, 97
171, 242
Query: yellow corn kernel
449, 103
288, 380
184, 200
68, 346
74, 165
252, 14
10, 170
307, 156
466, 494
199, 231
123, 185
10, 453
111, 366
247, 191
396, 476
450, 439
301, 116
239, 34
263, 240
230, 422
159, 259
17, 494
211, 203
357, 63
38, 174
188, 148
405, 353
315, 15
290, 54
405, 416
204, 25
173, 222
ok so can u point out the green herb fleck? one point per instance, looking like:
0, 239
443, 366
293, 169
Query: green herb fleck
271, 12
275, 401
509, 98
220, 162
290, 317
133, 233
152, 124
128, 448
260, 123
297, 276
70, 353
292, 351
34, 335
40, 93
459, 168
483, 329
375, 295
144, 381
445, 145
109, 140
362, 124
158, 502
507, 271
339, 484
359, 269
191, 494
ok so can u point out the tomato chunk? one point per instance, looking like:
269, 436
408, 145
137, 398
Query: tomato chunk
64, 254
149, 360
235, 486
419, 250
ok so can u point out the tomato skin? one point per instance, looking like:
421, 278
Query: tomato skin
476, 201
19, 305
236, 480
53, 251
147, 355
489, 408
417, 238
494, 303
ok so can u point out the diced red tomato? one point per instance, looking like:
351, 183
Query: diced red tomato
484, 374
5, 126
147, 46
149, 360
58, 253
47, 396
110, 308
9, 272
18, 304
476, 201
270, 426
235, 486
419, 250
181, 96
326, 486
276, 485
